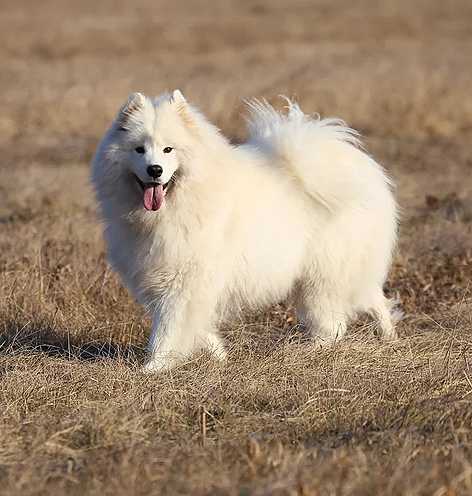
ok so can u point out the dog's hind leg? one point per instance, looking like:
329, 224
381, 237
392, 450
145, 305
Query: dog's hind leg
380, 310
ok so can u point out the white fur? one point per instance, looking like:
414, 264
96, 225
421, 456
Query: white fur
299, 209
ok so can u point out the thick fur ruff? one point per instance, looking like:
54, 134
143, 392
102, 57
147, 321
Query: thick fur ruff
299, 209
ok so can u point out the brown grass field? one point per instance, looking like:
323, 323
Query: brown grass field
279, 418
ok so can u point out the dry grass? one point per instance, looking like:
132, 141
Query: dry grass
78, 417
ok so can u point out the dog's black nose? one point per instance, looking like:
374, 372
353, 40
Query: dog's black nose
154, 171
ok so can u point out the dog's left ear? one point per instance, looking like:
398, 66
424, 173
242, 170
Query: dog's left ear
178, 97
183, 108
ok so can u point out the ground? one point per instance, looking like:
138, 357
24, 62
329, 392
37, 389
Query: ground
279, 418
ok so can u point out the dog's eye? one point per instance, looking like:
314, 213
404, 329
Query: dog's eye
167, 149
139, 149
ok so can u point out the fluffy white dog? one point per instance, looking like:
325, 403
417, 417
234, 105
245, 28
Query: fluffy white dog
197, 227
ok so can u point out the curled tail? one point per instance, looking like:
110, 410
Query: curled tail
323, 155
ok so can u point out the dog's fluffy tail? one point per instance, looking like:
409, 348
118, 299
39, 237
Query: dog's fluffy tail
323, 155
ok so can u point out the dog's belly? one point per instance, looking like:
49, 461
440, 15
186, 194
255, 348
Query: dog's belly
267, 269
268, 244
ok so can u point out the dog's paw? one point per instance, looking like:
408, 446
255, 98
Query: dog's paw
215, 345
153, 366
388, 334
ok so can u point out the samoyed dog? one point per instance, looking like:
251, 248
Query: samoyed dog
197, 227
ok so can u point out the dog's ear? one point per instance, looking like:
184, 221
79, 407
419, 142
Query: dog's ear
183, 108
178, 97
135, 103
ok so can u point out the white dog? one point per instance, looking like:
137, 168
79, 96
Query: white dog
197, 227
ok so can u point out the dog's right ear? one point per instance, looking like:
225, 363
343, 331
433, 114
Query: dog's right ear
135, 103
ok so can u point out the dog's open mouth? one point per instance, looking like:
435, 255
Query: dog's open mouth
153, 193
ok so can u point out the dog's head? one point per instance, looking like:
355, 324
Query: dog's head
147, 147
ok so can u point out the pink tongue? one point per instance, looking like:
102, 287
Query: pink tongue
153, 197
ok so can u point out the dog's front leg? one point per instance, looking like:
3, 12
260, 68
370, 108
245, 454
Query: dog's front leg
166, 344
181, 325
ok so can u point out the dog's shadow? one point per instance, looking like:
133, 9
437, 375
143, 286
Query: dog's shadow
43, 339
